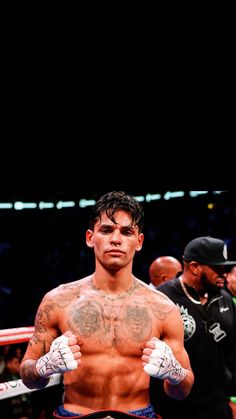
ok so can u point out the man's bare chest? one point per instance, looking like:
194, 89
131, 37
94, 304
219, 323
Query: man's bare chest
110, 323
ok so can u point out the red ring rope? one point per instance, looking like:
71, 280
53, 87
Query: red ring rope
16, 335
16, 387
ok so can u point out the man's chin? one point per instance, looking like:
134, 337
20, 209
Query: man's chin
220, 284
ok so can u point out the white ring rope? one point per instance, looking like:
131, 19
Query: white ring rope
16, 335
16, 387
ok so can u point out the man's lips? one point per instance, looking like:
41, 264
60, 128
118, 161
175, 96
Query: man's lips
220, 283
115, 251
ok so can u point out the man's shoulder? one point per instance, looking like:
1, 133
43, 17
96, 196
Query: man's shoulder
172, 289
158, 297
227, 297
65, 288
169, 286
226, 294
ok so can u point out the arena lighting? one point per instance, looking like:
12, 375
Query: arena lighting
18, 205
177, 194
140, 198
153, 197
86, 202
6, 206
44, 205
83, 203
196, 193
210, 206
65, 204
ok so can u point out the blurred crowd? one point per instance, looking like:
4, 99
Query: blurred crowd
32, 405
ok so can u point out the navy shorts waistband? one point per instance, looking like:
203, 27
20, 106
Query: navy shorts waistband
147, 412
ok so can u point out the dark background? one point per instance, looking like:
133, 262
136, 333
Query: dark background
41, 249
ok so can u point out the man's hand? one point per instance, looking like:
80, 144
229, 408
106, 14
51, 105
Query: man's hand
64, 355
160, 362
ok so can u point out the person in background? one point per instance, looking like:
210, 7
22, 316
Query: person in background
230, 287
163, 269
109, 332
4, 350
209, 318
17, 407
12, 367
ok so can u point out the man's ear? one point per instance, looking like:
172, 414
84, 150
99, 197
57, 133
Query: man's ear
89, 238
194, 267
140, 242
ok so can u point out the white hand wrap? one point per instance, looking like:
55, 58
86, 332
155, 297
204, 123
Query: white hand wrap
162, 364
58, 360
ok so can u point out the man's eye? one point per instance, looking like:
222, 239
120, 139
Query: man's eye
105, 230
127, 233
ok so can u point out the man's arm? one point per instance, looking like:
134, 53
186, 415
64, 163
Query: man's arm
47, 353
168, 360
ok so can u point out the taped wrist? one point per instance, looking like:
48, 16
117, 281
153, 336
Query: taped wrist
162, 364
58, 360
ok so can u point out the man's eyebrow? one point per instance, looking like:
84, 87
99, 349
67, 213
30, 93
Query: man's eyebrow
129, 227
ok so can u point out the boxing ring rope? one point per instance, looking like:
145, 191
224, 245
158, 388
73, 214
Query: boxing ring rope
16, 335
16, 387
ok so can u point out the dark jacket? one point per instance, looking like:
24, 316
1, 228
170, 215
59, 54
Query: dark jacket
209, 338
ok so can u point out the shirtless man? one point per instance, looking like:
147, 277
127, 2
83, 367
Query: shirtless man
108, 332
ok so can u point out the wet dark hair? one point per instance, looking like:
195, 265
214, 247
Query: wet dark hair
115, 201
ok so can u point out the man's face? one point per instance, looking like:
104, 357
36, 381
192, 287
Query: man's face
231, 280
212, 277
115, 243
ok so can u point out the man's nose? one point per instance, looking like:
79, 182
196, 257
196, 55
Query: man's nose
115, 237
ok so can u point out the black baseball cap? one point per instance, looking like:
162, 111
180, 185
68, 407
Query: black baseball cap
208, 251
